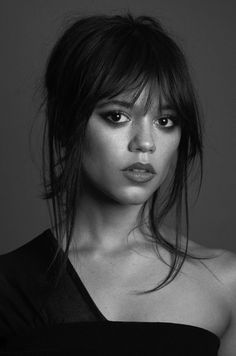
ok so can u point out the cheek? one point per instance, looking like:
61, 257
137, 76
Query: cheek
172, 149
101, 149
167, 153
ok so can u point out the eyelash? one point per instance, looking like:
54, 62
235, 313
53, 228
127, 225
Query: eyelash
112, 112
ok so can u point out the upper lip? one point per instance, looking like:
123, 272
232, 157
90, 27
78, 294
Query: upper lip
138, 165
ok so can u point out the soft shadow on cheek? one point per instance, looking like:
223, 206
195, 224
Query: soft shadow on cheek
176, 148
96, 148
95, 136
173, 161
91, 144
173, 155
169, 170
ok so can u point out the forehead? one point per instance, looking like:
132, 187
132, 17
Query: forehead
148, 99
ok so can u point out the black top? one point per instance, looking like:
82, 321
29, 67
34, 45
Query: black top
37, 318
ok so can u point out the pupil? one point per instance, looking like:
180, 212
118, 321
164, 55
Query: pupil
116, 116
164, 120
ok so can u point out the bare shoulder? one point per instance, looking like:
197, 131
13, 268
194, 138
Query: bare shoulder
195, 248
226, 264
221, 262
225, 269
223, 266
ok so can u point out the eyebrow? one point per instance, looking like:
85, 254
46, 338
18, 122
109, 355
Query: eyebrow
124, 103
127, 104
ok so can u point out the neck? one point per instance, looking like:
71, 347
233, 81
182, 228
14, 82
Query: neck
102, 224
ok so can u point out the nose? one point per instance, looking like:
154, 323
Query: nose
142, 138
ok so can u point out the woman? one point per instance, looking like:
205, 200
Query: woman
123, 134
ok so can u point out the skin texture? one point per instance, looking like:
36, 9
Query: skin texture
108, 196
107, 211
110, 149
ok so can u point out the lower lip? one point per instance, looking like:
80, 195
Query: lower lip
138, 176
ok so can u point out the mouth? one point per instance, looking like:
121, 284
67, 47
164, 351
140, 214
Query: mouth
138, 175
137, 170
140, 168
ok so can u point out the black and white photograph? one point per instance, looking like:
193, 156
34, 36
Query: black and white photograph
118, 178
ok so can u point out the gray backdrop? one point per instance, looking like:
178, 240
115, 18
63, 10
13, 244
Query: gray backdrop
206, 29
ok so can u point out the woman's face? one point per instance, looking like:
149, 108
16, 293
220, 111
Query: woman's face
118, 135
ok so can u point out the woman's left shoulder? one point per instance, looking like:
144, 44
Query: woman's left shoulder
225, 269
224, 265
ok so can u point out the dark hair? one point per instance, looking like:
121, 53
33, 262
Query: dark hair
99, 57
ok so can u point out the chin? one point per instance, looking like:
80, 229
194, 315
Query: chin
133, 196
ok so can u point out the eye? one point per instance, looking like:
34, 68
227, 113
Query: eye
167, 121
114, 117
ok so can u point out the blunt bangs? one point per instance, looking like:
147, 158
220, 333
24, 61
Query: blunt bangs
109, 57
134, 58
127, 59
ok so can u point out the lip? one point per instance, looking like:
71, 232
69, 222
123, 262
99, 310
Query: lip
139, 177
138, 165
